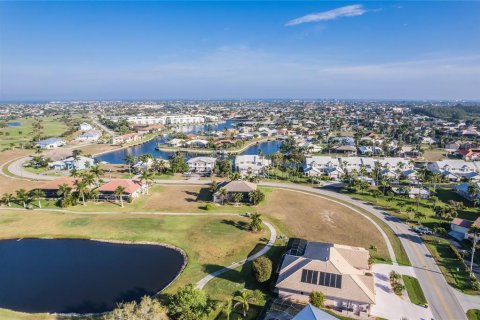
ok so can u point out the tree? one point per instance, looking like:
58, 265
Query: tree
146, 177
190, 303
148, 309
244, 299
317, 299
118, 192
262, 269
129, 160
65, 192
237, 197
7, 199
213, 187
227, 308
81, 188
38, 194
256, 196
74, 173
223, 193
23, 197
97, 173
178, 163
255, 222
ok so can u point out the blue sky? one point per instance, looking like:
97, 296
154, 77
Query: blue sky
314, 49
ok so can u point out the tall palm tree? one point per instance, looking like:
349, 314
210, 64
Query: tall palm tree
129, 160
227, 308
244, 299
82, 188
97, 173
38, 194
64, 191
118, 192
74, 173
22, 196
8, 198
237, 197
147, 177
223, 193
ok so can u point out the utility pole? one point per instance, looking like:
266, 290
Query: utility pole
475, 239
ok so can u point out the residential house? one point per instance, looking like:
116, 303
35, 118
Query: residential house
348, 150
201, 164
90, 136
342, 273
85, 126
133, 189
469, 154
459, 228
454, 170
412, 192
462, 190
234, 186
51, 187
50, 143
252, 165
196, 143
322, 165
126, 138
79, 163
176, 142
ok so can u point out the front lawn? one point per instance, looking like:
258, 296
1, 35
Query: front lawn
473, 314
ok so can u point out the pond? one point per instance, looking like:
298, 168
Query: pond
81, 276
14, 124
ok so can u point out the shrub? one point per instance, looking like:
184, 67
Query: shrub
317, 299
209, 206
262, 269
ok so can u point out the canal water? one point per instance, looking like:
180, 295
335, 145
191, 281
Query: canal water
118, 156
81, 276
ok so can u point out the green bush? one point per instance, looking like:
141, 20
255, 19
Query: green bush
209, 206
262, 269
317, 299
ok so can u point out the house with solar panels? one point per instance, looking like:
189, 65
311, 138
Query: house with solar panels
340, 272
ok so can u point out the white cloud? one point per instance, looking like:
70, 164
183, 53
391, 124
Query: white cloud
346, 11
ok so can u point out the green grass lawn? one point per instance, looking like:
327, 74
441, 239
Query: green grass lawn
473, 314
210, 242
449, 264
414, 290
53, 127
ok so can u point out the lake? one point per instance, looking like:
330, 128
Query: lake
118, 156
14, 124
81, 276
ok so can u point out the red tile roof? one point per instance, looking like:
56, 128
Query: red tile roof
130, 186
461, 222
54, 184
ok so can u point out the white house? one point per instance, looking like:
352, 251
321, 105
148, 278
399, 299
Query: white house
197, 143
85, 126
459, 228
70, 163
90, 136
251, 164
322, 165
50, 143
201, 164
453, 168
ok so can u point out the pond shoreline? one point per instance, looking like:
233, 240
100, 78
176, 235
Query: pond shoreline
112, 241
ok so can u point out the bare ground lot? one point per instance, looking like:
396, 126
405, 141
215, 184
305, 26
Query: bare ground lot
10, 185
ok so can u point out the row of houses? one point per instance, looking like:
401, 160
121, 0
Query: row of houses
173, 120
252, 165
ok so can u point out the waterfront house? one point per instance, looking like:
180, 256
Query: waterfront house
85, 126
201, 164
90, 136
252, 165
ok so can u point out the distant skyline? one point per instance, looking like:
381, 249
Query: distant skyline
239, 50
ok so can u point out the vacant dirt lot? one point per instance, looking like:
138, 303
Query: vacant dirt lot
314, 218
177, 198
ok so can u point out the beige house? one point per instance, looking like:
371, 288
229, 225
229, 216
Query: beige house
340, 272
234, 186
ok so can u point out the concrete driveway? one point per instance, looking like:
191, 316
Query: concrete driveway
387, 304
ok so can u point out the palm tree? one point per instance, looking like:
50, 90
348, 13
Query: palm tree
256, 222
38, 194
8, 198
227, 308
22, 196
82, 188
74, 173
64, 191
97, 172
244, 299
223, 193
129, 160
147, 177
237, 197
93, 194
473, 190
88, 179
119, 191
